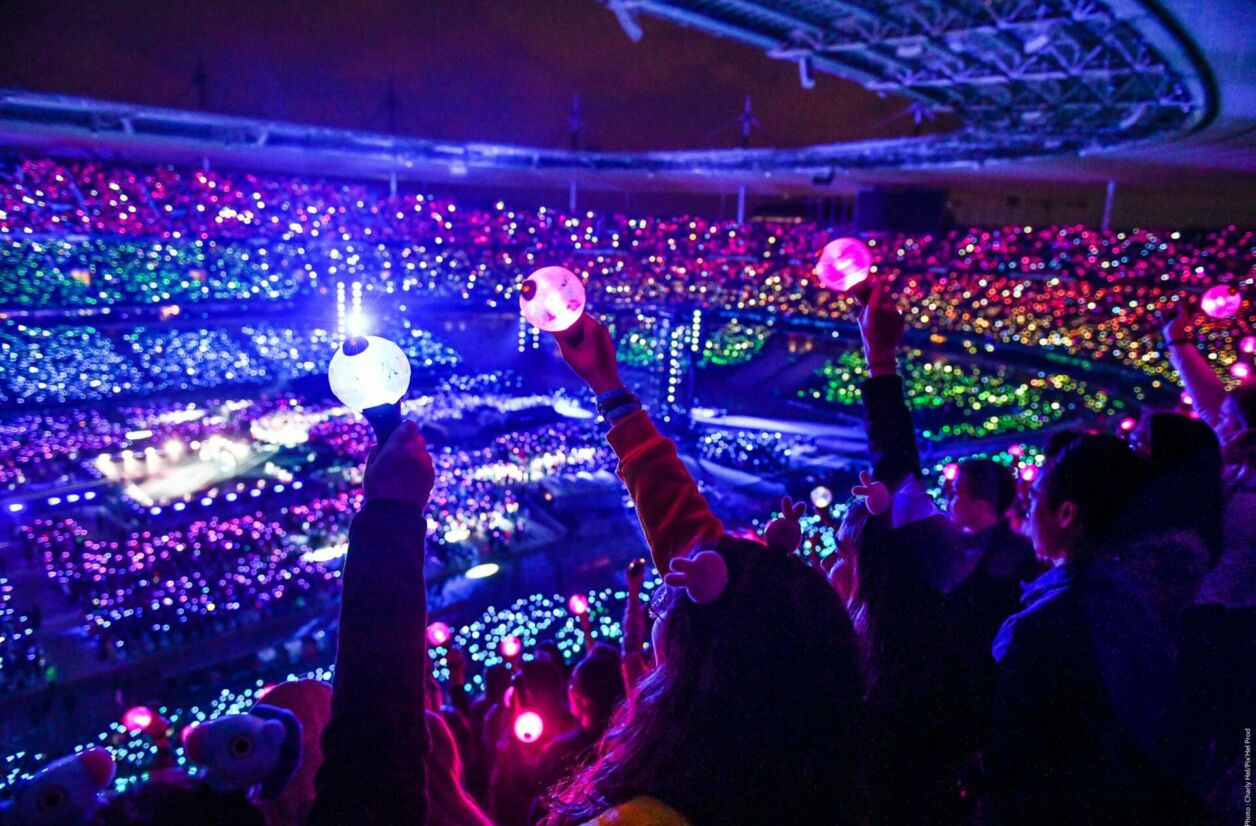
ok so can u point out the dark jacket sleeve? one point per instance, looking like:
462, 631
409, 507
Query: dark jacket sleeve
891, 436
376, 744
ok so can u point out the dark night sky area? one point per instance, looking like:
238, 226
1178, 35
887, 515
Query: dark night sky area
479, 70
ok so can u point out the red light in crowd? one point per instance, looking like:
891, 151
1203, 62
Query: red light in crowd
578, 604
1029, 473
438, 634
511, 646
1241, 370
528, 727
1187, 400
950, 471
1128, 424
1016, 450
137, 719
1247, 345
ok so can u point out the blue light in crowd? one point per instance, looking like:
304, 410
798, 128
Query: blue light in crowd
54, 500
206, 502
16, 507
73, 497
278, 488
90, 495
154, 510
179, 506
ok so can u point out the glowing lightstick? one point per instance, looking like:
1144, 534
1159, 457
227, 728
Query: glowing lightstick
138, 718
1247, 345
1029, 473
950, 471
438, 634
1241, 370
821, 497
578, 604
844, 264
1221, 301
552, 299
528, 727
511, 646
370, 375
1128, 424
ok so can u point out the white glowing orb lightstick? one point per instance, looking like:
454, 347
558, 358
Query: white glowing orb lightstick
370, 375
552, 299
844, 264
1221, 301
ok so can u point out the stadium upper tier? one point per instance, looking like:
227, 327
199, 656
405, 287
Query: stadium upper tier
84, 236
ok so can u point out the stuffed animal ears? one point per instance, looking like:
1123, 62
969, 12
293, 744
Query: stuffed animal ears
66, 791
876, 495
283, 728
784, 534
703, 577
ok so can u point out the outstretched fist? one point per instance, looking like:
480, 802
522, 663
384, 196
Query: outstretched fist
401, 468
587, 348
880, 324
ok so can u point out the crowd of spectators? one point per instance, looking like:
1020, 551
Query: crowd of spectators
57, 364
1065, 287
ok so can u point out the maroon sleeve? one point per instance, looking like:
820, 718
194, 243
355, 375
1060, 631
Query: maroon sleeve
672, 511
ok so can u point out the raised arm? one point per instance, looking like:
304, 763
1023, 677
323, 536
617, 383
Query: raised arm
673, 513
376, 744
1198, 376
891, 436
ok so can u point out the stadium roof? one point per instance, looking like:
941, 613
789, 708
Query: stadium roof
1025, 79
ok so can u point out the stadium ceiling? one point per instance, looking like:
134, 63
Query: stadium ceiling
1024, 78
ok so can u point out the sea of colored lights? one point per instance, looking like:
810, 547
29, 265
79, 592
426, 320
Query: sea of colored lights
533, 619
61, 363
952, 400
1067, 287
734, 343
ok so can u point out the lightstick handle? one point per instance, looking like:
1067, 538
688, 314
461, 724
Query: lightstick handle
384, 419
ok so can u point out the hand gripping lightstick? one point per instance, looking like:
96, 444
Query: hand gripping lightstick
370, 375
844, 266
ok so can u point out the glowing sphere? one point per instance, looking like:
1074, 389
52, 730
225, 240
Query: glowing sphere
1016, 450
438, 634
1029, 473
843, 264
369, 372
821, 496
950, 471
528, 727
137, 718
552, 299
1128, 424
1221, 301
1241, 370
511, 646
578, 604
1247, 345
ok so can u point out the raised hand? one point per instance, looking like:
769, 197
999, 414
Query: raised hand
636, 575
881, 325
401, 468
589, 351
1179, 326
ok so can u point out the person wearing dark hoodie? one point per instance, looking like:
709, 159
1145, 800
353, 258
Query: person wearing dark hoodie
750, 714
1087, 720
376, 743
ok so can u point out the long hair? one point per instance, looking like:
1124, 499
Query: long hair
448, 803
750, 715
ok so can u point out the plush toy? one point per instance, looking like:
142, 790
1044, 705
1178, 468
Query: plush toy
243, 751
784, 533
66, 792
